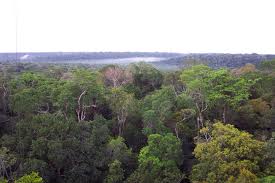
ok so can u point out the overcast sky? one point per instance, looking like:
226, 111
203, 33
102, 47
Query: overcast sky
228, 26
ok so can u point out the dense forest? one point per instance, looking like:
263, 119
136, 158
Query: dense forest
137, 124
160, 60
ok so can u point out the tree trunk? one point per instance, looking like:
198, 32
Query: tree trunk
224, 114
4, 99
4, 104
80, 110
119, 128
198, 125
201, 119
176, 132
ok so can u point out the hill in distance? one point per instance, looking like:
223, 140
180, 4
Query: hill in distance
161, 60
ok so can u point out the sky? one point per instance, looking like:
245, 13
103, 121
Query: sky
186, 26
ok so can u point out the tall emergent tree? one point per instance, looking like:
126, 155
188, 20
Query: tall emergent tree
116, 76
227, 156
196, 80
227, 91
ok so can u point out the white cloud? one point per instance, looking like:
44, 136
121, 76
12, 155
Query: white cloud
139, 25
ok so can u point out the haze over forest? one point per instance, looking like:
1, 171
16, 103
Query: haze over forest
137, 91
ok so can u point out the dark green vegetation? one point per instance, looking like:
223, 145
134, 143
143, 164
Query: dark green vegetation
136, 124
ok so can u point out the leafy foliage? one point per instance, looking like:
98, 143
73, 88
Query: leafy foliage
136, 124
159, 160
32, 178
115, 174
229, 153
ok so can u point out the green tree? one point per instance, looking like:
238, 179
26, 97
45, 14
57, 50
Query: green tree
80, 95
31, 93
115, 174
268, 179
268, 66
4, 91
269, 161
31, 178
256, 116
227, 90
3, 180
118, 150
182, 116
7, 160
246, 176
158, 110
121, 103
196, 80
60, 150
146, 77
159, 160
226, 155
173, 79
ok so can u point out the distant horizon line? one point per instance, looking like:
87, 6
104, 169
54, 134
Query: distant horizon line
243, 53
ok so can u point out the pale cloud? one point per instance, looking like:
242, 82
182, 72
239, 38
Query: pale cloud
232, 26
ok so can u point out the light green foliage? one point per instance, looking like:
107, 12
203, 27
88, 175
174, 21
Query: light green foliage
161, 101
157, 110
269, 179
3, 180
226, 154
158, 160
216, 87
196, 79
227, 89
163, 147
31, 178
115, 174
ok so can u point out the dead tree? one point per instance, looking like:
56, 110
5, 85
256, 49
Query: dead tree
81, 110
